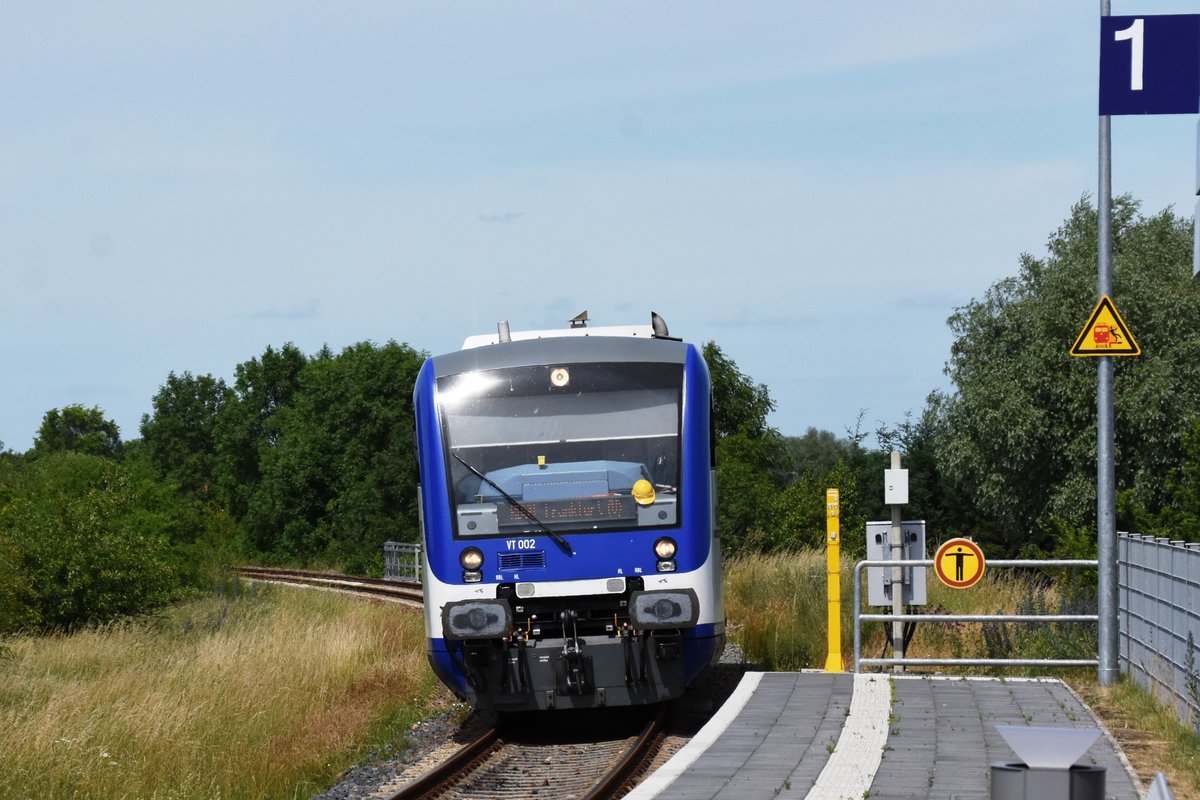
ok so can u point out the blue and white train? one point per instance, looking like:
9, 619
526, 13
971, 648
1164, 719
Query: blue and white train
568, 512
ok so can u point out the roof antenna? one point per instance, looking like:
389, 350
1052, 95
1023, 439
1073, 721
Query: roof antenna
580, 320
503, 331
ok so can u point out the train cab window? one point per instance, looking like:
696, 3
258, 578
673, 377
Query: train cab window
577, 447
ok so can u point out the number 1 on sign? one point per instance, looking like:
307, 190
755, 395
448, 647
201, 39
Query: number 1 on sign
1133, 34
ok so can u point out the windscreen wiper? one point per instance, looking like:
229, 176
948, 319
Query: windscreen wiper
517, 504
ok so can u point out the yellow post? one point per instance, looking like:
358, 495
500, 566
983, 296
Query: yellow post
833, 566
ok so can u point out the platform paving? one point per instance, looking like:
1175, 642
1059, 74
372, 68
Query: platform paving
838, 736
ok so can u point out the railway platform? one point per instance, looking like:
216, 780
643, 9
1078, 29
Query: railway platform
839, 736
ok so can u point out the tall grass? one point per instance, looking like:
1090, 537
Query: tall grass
269, 696
777, 608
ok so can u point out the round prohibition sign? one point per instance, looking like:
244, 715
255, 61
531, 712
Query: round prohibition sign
959, 563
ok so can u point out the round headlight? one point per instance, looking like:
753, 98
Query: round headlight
471, 558
665, 548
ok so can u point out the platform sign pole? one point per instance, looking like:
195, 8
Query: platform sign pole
1106, 507
1149, 64
833, 579
895, 494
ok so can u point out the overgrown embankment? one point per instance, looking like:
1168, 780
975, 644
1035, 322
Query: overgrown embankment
268, 696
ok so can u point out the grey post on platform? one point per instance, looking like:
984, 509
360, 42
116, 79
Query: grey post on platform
895, 494
1106, 504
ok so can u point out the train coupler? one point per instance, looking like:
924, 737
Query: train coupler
573, 670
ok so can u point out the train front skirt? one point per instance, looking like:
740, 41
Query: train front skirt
583, 672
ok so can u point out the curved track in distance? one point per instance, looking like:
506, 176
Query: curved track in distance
394, 591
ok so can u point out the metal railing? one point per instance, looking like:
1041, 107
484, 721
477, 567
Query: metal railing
402, 561
859, 618
1158, 605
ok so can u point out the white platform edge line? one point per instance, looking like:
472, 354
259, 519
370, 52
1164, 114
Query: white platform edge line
665, 775
851, 769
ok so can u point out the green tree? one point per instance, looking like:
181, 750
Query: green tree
751, 460
946, 509
248, 425
1019, 432
1179, 518
180, 437
75, 429
85, 538
14, 586
739, 404
799, 513
341, 479
816, 451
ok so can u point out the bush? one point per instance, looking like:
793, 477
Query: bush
85, 538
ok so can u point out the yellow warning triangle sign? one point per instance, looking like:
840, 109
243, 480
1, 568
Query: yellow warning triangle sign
1105, 334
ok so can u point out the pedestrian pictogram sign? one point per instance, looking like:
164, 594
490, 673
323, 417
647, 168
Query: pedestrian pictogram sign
959, 563
1105, 334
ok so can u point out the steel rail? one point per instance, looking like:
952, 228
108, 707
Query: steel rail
634, 761
437, 779
378, 587
442, 778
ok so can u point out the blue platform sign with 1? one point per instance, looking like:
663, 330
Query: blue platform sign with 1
1150, 64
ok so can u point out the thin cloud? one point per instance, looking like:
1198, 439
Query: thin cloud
929, 301
502, 218
310, 309
746, 317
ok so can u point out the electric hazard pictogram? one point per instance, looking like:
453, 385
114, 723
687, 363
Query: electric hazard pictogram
959, 563
1105, 334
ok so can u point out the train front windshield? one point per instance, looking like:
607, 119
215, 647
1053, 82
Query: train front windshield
571, 447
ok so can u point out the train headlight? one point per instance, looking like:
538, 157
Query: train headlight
471, 559
673, 608
664, 548
476, 619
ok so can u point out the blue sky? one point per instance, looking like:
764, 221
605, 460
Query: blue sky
814, 186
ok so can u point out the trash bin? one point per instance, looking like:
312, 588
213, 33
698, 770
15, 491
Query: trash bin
1047, 769
1017, 781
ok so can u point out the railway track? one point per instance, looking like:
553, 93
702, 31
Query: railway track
394, 591
593, 761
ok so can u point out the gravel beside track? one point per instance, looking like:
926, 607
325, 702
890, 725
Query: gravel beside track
384, 772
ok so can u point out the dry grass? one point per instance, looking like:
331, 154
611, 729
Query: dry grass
265, 697
1150, 734
777, 608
